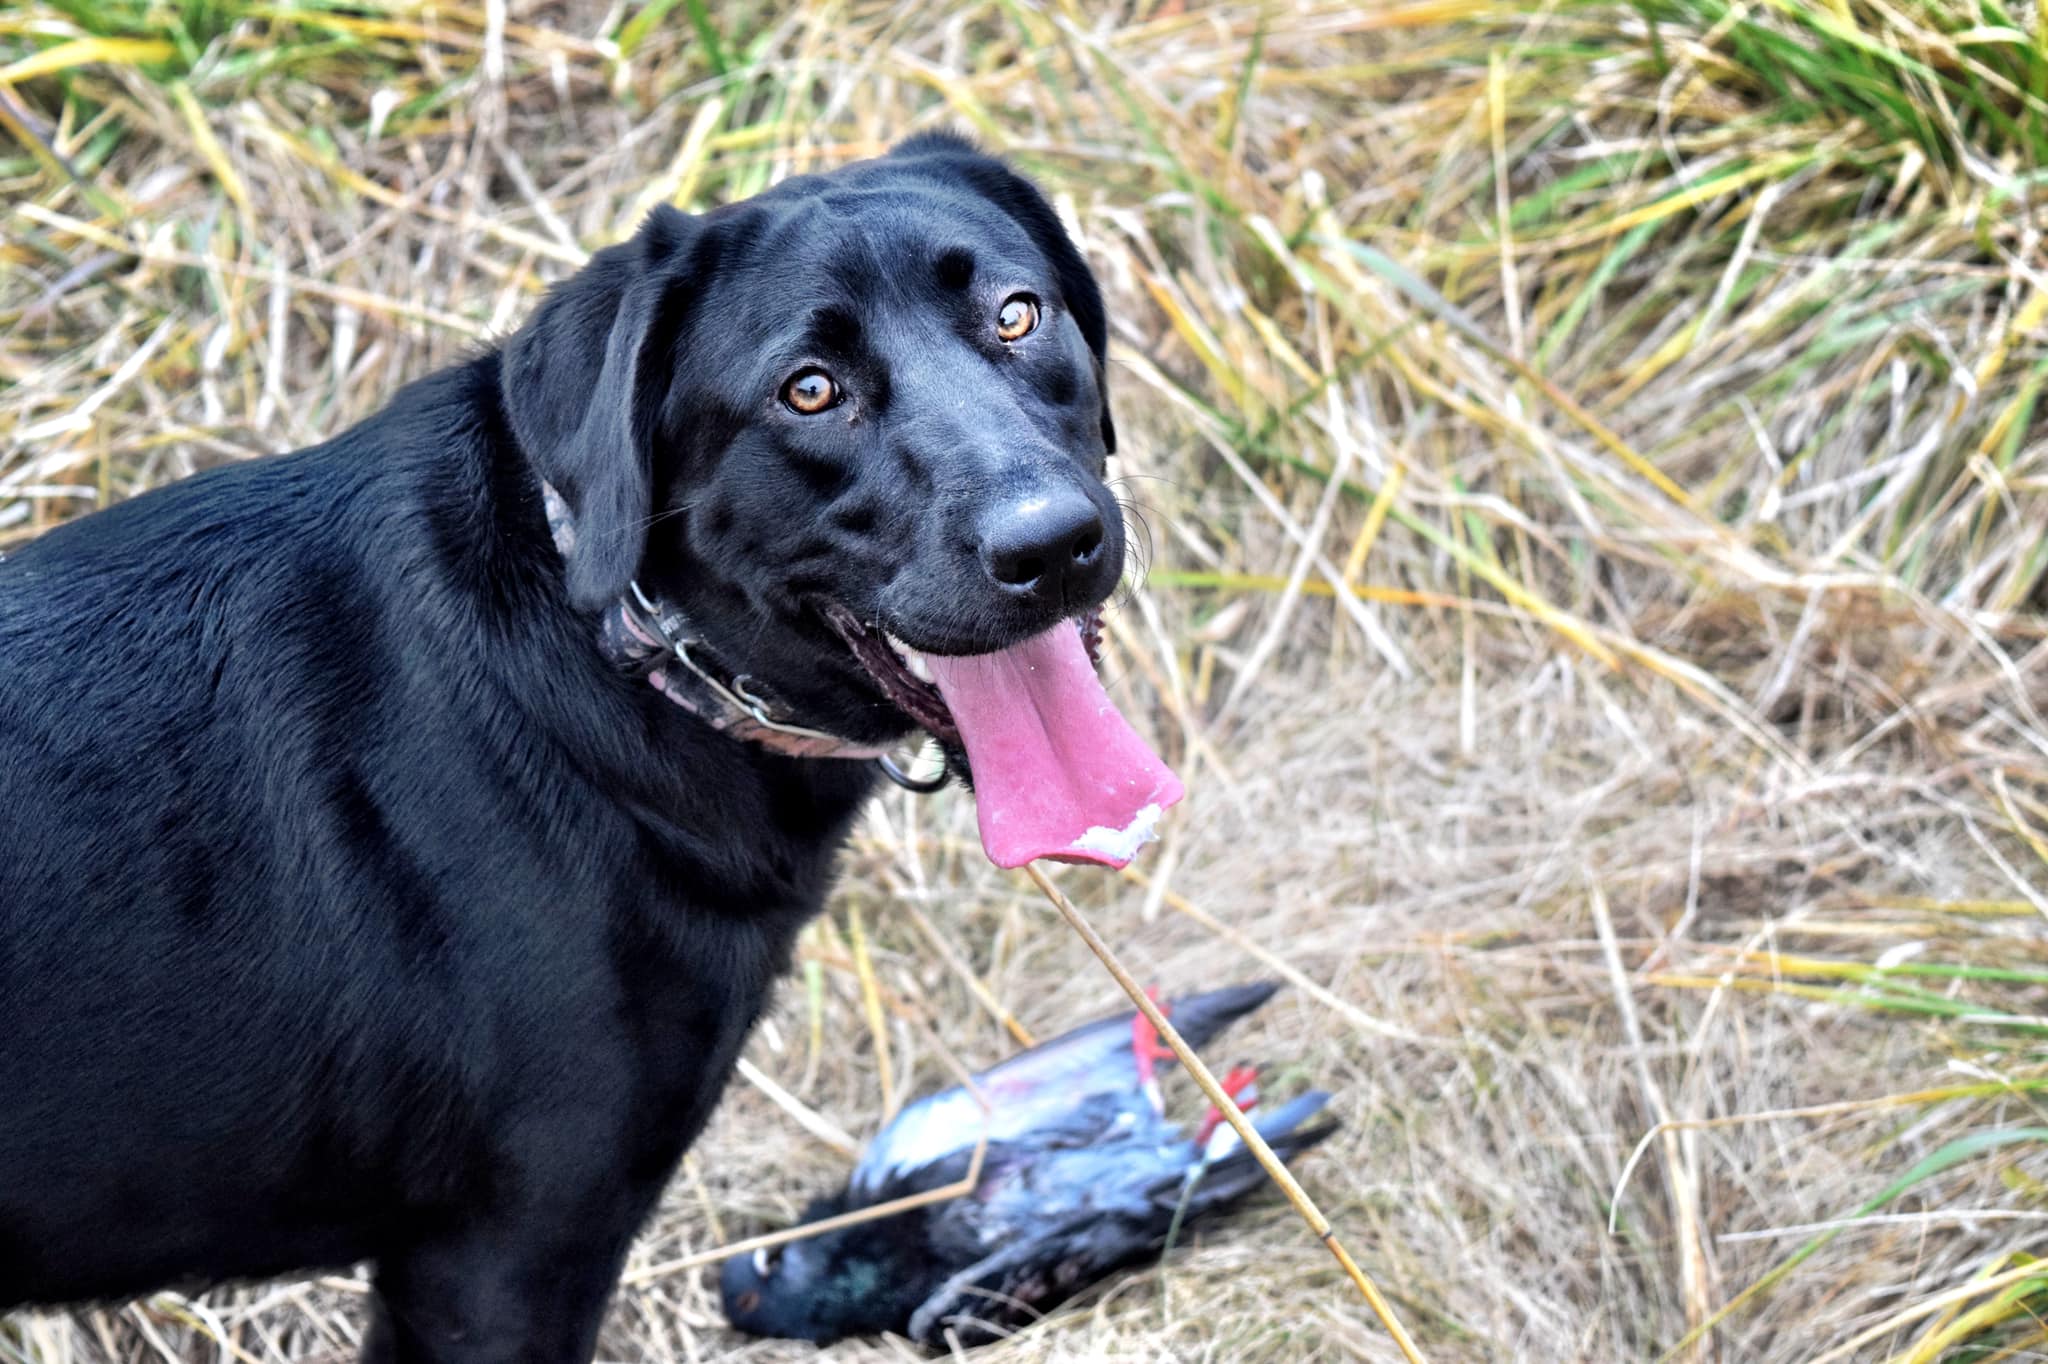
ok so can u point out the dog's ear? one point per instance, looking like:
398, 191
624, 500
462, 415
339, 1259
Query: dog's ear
584, 381
1020, 199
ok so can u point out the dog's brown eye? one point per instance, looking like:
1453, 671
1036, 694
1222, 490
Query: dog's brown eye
1018, 319
811, 391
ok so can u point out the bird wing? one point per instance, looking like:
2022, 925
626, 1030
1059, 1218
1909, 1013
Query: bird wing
1062, 1220
1067, 1091
1013, 1283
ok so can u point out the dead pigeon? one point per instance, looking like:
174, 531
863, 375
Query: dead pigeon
1083, 1175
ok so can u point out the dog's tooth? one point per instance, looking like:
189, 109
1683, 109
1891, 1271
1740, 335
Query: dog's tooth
912, 661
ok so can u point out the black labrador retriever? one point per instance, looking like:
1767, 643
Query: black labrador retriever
398, 838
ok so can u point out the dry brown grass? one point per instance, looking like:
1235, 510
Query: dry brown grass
1658, 388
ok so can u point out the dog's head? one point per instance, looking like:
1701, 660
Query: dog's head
853, 428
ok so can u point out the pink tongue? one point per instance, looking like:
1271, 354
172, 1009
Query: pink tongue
1057, 772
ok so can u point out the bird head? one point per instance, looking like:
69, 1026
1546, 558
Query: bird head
859, 1280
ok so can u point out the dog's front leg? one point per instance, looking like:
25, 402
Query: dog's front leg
493, 1296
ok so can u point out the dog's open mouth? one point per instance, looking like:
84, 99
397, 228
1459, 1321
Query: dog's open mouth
903, 674
1058, 773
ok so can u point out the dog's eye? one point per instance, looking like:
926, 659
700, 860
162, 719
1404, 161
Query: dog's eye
765, 1260
1018, 319
811, 391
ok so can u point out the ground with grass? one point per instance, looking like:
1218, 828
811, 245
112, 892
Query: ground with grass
1591, 493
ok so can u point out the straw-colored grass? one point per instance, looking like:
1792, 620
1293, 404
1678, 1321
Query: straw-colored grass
1593, 483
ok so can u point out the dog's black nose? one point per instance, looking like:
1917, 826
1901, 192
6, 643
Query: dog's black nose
1048, 544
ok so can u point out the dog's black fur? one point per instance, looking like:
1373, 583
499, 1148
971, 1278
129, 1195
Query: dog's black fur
352, 905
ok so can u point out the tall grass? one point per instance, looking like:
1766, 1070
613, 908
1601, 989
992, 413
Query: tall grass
1593, 479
